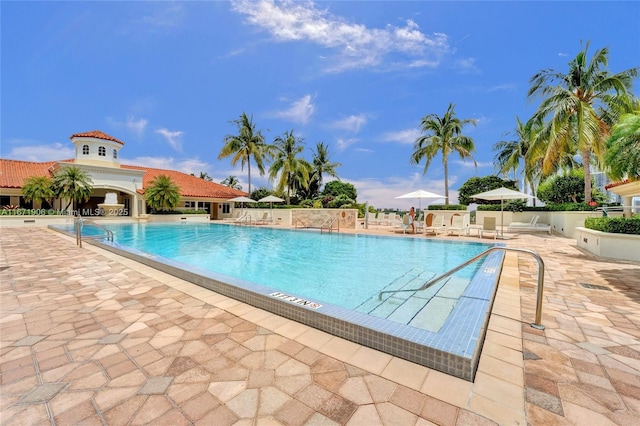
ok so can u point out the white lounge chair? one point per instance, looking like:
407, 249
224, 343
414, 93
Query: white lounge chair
533, 227
532, 222
459, 224
488, 227
404, 225
436, 226
264, 219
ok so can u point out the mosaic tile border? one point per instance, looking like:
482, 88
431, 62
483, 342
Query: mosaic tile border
455, 349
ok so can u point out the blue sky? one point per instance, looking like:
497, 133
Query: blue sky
167, 77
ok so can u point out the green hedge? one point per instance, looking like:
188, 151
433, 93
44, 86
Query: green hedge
186, 211
614, 225
447, 207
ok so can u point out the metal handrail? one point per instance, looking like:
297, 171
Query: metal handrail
304, 225
537, 324
331, 221
79, 224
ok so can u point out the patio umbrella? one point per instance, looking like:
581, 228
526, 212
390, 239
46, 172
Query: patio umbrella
271, 199
242, 199
420, 194
501, 194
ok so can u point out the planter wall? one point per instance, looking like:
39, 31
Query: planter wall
605, 244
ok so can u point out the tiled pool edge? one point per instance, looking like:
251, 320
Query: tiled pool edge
332, 320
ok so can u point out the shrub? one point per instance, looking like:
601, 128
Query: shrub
614, 225
448, 207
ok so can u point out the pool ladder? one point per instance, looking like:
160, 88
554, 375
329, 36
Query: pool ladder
79, 224
537, 324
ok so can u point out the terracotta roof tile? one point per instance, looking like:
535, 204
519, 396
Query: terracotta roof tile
614, 184
96, 134
190, 186
13, 173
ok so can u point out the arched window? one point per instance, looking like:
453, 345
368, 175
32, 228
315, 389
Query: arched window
102, 151
85, 149
115, 154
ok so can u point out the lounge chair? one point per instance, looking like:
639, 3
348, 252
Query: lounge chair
419, 223
532, 227
532, 222
459, 224
488, 227
437, 224
264, 219
390, 219
403, 226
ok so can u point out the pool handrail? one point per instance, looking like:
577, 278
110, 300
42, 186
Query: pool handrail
538, 320
329, 226
79, 223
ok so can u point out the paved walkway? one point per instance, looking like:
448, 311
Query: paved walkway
88, 337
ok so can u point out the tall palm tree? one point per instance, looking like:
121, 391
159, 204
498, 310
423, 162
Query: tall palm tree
516, 154
248, 144
38, 189
162, 193
322, 163
443, 134
291, 170
577, 105
74, 184
623, 148
231, 182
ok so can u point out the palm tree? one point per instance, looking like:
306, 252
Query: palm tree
203, 176
577, 105
443, 134
513, 154
232, 182
322, 165
248, 144
162, 193
74, 184
292, 170
38, 189
623, 148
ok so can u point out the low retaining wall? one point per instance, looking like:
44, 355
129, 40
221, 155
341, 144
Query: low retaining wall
605, 244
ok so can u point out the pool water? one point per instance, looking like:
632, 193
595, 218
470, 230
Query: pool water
331, 281
343, 269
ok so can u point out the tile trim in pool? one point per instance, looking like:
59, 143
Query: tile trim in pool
454, 349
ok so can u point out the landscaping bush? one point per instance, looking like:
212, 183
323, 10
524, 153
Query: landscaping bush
615, 225
447, 207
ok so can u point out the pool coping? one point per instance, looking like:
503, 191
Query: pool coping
433, 350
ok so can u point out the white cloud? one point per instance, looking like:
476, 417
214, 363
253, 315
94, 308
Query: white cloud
352, 123
136, 126
173, 138
382, 192
165, 15
39, 152
342, 143
353, 45
300, 111
407, 136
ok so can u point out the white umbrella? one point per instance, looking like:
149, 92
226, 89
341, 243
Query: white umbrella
420, 194
501, 194
271, 199
242, 199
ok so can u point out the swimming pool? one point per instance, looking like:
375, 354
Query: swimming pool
331, 281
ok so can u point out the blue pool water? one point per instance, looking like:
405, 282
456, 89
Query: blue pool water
331, 282
341, 269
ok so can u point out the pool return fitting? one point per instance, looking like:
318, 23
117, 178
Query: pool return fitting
538, 321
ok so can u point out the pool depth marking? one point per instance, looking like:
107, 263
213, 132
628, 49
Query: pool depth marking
296, 300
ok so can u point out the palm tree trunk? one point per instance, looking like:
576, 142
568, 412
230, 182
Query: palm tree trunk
249, 175
587, 175
446, 180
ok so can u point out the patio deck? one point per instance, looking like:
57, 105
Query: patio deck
88, 337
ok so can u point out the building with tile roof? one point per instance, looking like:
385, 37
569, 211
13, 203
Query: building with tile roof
98, 155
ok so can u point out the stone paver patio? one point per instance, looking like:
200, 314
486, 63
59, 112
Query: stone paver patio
88, 337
